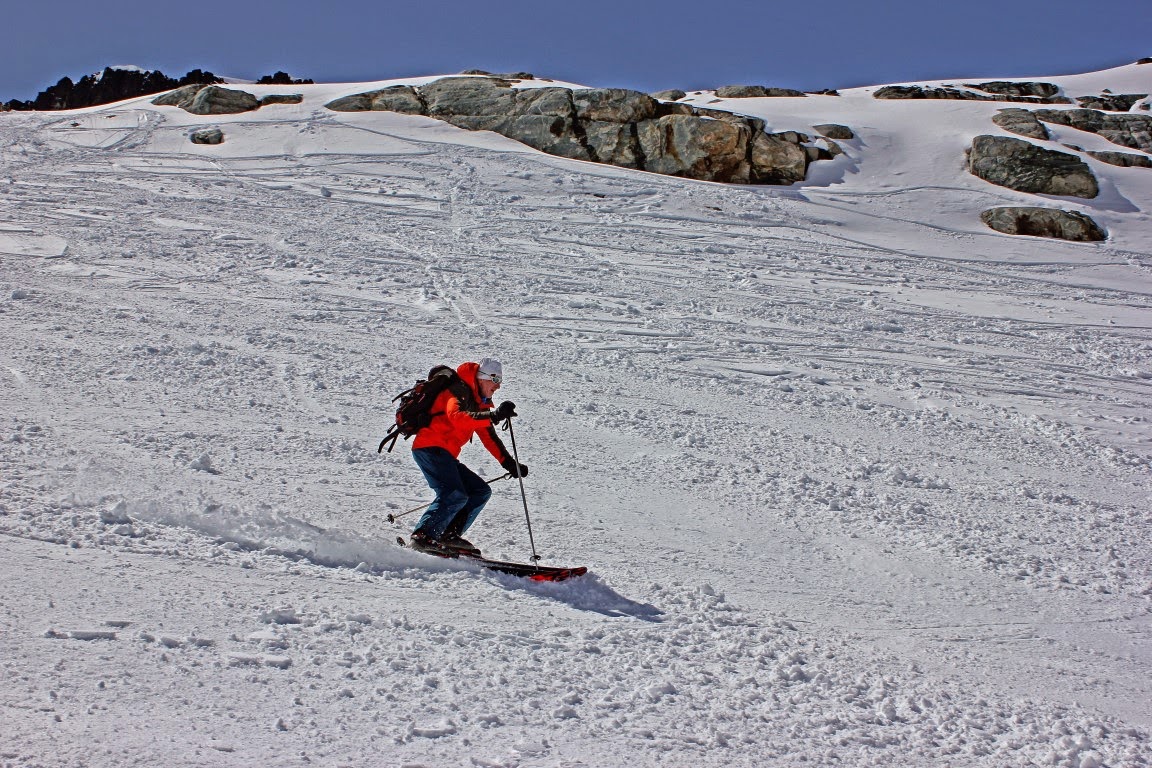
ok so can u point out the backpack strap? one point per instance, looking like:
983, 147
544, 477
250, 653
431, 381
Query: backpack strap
389, 439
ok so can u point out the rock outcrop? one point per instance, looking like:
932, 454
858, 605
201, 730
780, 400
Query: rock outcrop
614, 126
214, 100
208, 100
1008, 88
1025, 167
947, 92
614, 105
397, 98
1044, 222
1123, 159
281, 98
181, 97
1132, 131
502, 75
1022, 122
669, 95
207, 136
1111, 102
755, 92
834, 131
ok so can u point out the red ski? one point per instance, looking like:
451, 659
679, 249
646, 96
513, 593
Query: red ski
523, 570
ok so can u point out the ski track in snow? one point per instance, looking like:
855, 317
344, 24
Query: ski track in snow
854, 486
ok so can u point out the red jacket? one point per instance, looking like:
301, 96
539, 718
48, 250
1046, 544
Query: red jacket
455, 421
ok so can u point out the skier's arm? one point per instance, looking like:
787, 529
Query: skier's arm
476, 420
495, 445
481, 422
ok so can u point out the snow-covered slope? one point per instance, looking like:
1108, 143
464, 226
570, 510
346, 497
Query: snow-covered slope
858, 480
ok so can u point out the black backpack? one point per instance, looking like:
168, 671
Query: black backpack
415, 411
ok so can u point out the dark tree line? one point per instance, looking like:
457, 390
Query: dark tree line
281, 78
119, 84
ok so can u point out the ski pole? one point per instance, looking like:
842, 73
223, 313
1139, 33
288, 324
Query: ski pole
393, 518
523, 495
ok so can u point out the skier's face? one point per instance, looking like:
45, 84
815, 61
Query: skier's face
488, 387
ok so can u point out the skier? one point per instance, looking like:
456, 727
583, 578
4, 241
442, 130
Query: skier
458, 413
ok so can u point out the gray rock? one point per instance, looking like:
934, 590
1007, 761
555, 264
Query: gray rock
754, 91
360, 102
555, 102
1081, 119
1006, 88
741, 92
755, 123
790, 93
1123, 159
1044, 222
281, 98
944, 92
547, 133
399, 98
697, 148
1025, 167
834, 131
481, 96
551, 134
502, 76
207, 136
1132, 131
669, 95
776, 160
181, 97
1022, 122
793, 136
609, 125
208, 100
924, 92
832, 148
614, 143
1117, 102
613, 105
674, 108
469, 96
214, 100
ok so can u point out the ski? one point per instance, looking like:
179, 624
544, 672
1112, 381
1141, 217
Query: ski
522, 570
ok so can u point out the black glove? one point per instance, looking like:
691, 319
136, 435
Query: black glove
505, 410
511, 466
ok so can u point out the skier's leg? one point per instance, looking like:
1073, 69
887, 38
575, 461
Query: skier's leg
478, 494
442, 472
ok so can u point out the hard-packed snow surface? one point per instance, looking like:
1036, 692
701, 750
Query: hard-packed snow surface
858, 480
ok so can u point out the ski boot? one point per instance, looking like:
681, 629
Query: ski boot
460, 545
422, 542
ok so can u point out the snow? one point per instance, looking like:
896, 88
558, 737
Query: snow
858, 480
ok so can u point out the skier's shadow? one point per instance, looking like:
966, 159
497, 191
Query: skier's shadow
585, 593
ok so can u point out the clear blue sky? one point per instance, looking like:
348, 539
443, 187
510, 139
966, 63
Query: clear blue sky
644, 44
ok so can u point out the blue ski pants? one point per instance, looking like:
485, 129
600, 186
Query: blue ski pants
460, 493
